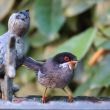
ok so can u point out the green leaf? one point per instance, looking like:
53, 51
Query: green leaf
78, 44
75, 7
37, 53
49, 17
102, 74
106, 31
99, 40
39, 39
83, 87
106, 45
2, 29
25, 75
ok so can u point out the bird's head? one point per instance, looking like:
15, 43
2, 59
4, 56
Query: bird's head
19, 22
66, 60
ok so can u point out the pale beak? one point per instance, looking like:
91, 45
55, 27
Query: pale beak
72, 64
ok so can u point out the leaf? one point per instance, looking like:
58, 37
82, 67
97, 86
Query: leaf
106, 31
49, 17
78, 44
99, 40
37, 53
2, 29
5, 7
75, 7
25, 75
103, 38
106, 45
102, 74
83, 88
39, 39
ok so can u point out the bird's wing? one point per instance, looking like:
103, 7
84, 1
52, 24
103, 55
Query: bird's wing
32, 64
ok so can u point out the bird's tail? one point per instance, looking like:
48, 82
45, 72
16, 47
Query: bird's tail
32, 64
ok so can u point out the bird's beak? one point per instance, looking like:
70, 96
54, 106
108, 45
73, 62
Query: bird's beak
72, 64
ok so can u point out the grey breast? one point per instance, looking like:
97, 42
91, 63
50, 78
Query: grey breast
53, 76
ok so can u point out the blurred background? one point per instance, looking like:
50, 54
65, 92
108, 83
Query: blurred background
78, 26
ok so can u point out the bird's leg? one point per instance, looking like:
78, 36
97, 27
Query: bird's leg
69, 94
44, 96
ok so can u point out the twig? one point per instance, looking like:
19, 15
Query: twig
95, 57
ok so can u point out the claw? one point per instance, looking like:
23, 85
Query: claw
44, 99
70, 99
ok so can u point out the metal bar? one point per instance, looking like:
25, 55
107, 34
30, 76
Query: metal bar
58, 103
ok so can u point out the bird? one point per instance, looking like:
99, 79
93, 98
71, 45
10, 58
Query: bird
55, 72
18, 25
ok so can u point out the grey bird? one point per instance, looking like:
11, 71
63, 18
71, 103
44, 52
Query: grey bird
55, 72
18, 25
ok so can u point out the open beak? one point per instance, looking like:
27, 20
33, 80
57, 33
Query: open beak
72, 64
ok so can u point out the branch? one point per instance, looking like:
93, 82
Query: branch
96, 56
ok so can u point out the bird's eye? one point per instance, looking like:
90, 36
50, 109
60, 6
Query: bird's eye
66, 58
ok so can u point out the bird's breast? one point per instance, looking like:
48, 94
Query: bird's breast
54, 80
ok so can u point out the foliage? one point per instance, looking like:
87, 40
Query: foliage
78, 26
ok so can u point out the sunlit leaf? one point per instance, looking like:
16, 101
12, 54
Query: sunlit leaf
75, 7
5, 7
49, 17
78, 44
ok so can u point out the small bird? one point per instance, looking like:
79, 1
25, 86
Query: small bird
55, 72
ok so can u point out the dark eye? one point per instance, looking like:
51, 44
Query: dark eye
66, 58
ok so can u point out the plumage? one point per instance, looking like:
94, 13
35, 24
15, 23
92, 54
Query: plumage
55, 72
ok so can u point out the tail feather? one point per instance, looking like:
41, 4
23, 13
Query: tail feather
32, 64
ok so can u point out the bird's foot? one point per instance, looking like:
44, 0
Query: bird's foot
70, 99
44, 99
